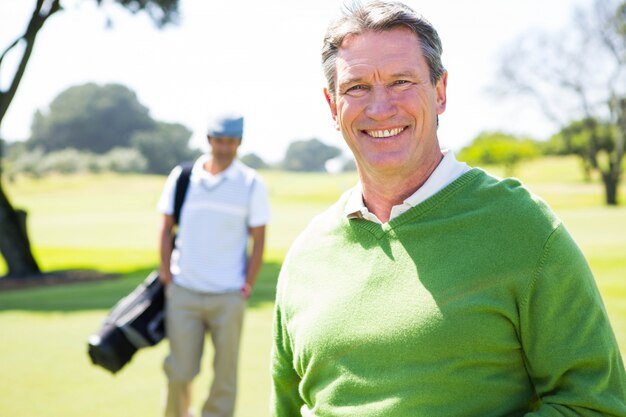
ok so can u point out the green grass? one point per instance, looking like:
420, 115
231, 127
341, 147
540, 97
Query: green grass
44, 341
109, 223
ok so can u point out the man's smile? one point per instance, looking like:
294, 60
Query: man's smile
385, 133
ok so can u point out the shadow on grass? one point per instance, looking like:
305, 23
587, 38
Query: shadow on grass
103, 294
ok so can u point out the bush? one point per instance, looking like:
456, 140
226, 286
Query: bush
28, 162
123, 160
496, 148
309, 155
66, 161
36, 163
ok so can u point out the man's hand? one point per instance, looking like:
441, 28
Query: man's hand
246, 290
165, 277
165, 249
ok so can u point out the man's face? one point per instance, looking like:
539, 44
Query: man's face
224, 149
385, 105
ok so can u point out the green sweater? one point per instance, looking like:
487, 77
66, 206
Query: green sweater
476, 302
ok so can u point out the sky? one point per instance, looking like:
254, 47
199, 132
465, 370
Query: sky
262, 59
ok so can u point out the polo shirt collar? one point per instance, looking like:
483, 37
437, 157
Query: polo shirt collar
448, 170
199, 174
230, 172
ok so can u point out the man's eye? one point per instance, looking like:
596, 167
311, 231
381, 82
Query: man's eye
357, 89
401, 82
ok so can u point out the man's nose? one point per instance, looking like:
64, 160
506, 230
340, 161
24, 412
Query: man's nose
382, 104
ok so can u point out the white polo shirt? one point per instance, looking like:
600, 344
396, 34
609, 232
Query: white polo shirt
212, 240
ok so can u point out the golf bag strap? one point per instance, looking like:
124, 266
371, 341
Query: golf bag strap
182, 184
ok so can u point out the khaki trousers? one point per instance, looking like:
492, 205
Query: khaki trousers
189, 316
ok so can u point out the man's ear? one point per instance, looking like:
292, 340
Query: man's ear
440, 88
333, 107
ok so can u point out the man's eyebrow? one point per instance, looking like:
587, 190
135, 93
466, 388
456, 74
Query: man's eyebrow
406, 74
395, 76
352, 80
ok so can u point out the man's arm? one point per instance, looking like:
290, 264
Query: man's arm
572, 356
166, 244
285, 398
255, 260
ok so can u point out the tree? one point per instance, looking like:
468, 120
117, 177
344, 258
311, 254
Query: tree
592, 141
88, 126
164, 147
14, 242
98, 119
254, 161
90, 117
308, 155
499, 148
578, 75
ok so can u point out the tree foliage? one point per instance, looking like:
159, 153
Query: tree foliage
498, 148
162, 12
90, 117
592, 141
99, 119
308, 155
164, 147
254, 161
579, 74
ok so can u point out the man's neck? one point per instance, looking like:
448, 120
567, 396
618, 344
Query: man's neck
216, 166
381, 192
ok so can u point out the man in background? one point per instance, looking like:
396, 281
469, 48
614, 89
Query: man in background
209, 271
431, 288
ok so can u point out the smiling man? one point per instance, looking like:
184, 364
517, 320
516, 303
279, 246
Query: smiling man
431, 288
386, 108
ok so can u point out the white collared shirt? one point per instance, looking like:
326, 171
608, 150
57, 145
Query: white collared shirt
448, 170
211, 245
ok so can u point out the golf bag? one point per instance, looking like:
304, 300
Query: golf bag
135, 322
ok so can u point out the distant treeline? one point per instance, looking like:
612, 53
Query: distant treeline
96, 128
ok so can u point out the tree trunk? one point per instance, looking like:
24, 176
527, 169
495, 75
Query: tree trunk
14, 243
610, 188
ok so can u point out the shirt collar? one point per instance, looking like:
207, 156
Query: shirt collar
199, 171
355, 208
448, 170
200, 175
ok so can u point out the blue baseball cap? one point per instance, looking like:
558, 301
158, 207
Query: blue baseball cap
226, 126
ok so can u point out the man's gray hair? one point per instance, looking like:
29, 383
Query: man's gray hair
379, 16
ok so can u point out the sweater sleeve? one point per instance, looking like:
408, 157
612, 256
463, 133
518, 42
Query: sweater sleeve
570, 350
285, 397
